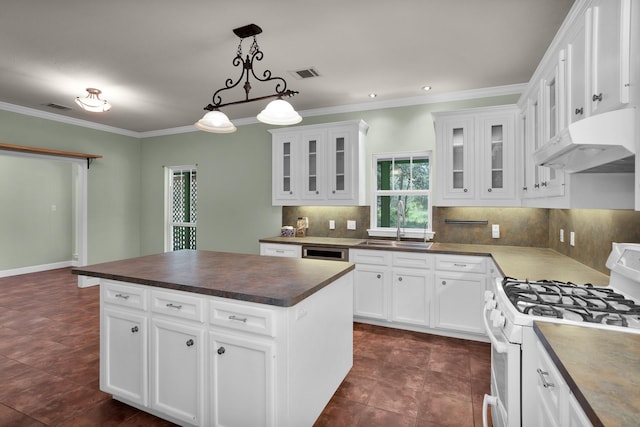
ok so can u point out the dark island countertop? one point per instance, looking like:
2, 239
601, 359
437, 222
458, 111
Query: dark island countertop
601, 367
266, 280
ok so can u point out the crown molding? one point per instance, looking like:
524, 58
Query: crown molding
64, 119
515, 89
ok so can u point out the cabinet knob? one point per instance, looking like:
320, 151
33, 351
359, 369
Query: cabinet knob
489, 190
134, 329
399, 279
579, 111
378, 276
465, 190
317, 192
334, 191
444, 282
221, 350
597, 97
290, 192
524, 188
544, 183
189, 343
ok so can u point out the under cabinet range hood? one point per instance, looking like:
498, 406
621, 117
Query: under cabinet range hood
600, 143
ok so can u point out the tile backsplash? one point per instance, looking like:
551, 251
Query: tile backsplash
595, 229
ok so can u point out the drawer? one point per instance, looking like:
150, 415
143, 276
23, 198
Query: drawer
281, 250
549, 381
461, 263
178, 304
374, 257
242, 317
412, 259
124, 294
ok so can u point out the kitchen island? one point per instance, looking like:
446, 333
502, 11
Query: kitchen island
212, 338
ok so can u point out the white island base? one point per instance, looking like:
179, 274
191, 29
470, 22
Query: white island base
200, 360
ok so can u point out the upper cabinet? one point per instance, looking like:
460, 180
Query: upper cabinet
476, 152
319, 164
583, 81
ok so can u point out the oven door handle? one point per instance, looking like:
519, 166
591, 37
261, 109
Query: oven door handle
500, 347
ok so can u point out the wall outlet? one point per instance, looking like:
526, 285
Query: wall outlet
561, 235
572, 238
495, 231
332, 224
351, 224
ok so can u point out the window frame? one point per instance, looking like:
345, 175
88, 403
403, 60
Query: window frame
168, 217
425, 233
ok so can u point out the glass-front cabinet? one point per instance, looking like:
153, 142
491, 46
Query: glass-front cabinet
475, 157
319, 164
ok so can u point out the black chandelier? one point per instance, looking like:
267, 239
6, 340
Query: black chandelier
277, 112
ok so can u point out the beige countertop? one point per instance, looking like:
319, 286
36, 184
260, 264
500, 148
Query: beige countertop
519, 262
601, 368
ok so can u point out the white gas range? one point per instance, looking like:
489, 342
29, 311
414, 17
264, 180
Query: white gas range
513, 306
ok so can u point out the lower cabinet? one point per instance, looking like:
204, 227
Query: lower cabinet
197, 360
124, 368
546, 398
236, 363
420, 291
177, 352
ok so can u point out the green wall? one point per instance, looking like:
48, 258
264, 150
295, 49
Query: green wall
234, 172
114, 183
126, 186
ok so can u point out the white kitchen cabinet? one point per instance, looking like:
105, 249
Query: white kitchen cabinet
198, 360
460, 283
177, 372
371, 284
546, 398
243, 393
393, 286
319, 164
124, 367
476, 152
412, 292
281, 250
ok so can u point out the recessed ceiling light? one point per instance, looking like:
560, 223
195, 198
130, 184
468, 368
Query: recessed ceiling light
373, 95
426, 88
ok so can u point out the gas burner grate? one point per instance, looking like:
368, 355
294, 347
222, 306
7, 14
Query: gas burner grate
587, 303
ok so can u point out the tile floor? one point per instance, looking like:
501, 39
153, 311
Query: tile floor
49, 363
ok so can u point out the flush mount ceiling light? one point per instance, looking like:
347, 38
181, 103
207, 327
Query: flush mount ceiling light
92, 101
277, 112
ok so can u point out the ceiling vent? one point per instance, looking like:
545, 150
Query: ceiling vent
58, 107
305, 73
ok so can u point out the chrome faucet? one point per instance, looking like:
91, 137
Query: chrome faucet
400, 213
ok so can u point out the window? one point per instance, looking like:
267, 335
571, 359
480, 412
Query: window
401, 181
182, 198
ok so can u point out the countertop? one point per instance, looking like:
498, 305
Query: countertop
601, 367
266, 280
515, 261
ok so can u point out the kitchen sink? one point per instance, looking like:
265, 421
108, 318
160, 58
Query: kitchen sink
403, 244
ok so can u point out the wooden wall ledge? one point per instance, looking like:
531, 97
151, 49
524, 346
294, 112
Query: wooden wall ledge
50, 152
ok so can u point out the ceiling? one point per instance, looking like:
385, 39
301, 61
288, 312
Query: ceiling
158, 62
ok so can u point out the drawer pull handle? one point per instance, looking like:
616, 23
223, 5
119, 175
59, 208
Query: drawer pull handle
545, 383
124, 297
239, 319
189, 343
177, 307
221, 350
279, 251
134, 329
460, 265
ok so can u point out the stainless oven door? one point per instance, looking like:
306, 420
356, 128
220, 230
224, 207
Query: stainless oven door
505, 374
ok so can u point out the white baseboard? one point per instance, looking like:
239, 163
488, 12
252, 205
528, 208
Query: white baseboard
36, 268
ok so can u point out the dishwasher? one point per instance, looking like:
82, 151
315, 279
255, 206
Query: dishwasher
325, 252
